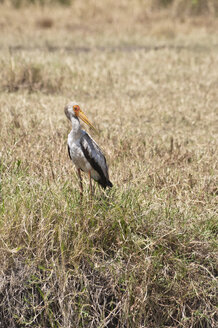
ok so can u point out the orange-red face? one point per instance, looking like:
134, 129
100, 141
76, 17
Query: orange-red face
79, 113
76, 109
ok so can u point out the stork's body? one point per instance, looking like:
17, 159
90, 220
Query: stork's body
83, 150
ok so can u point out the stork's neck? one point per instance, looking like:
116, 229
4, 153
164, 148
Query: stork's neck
76, 128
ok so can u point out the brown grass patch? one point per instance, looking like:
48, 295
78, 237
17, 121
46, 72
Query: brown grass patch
31, 77
45, 22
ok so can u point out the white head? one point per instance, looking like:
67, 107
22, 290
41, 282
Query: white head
71, 109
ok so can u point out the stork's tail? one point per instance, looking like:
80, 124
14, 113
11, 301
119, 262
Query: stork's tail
109, 184
105, 183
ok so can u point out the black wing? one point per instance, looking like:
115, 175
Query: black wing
96, 159
68, 148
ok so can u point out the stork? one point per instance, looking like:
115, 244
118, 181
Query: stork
84, 151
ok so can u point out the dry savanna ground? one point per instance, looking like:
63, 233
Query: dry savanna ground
142, 254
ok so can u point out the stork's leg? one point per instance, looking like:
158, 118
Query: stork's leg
80, 182
90, 183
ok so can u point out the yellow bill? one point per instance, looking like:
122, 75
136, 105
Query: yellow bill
85, 119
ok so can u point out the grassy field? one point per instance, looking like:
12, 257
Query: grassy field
144, 253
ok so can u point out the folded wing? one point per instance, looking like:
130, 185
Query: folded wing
96, 159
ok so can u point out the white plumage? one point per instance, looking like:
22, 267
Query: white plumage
84, 151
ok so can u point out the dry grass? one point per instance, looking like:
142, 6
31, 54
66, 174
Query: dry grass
143, 254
